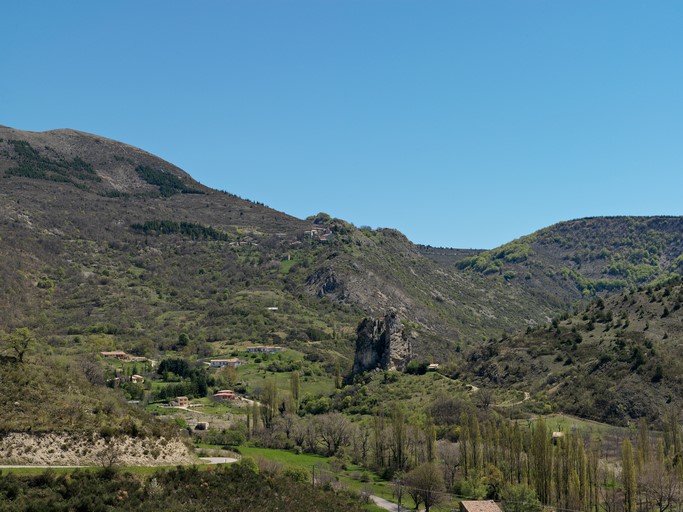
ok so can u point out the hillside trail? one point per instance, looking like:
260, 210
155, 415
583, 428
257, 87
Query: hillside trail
527, 396
385, 504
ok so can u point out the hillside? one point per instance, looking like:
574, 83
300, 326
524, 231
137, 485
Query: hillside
574, 260
59, 411
106, 246
617, 359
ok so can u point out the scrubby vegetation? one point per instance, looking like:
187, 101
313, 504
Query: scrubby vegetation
615, 360
238, 487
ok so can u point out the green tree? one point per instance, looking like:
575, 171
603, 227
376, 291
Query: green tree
269, 404
521, 498
295, 388
19, 342
183, 339
398, 439
628, 476
542, 461
643, 443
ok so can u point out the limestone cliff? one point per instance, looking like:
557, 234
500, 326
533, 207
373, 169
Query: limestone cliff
382, 343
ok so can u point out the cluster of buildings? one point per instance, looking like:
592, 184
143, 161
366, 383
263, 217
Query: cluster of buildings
321, 234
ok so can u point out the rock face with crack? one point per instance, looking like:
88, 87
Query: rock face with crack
382, 343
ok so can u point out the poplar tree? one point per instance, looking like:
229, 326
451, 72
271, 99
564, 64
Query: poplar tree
643, 444
628, 475
295, 388
269, 404
541, 461
398, 445
465, 443
430, 437
378, 439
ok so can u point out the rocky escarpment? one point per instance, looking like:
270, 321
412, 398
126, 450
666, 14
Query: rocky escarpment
382, 343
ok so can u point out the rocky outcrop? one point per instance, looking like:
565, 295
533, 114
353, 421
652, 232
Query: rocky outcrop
382, 343
325, 283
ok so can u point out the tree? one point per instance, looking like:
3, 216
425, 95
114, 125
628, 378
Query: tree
661, 485
451, 458
295, 388
19, 342
542, 461
269, 404
628, 475
335, 430
425, 485
484, 397
398, 438
520, 498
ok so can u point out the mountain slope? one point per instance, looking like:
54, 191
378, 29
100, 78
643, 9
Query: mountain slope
113, 247
105, 241
617, 359
573, 260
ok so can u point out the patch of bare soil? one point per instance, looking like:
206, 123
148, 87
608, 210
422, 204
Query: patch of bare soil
65, 449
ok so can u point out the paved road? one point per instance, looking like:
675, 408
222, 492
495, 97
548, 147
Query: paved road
386, 505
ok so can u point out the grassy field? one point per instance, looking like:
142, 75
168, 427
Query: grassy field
325, 466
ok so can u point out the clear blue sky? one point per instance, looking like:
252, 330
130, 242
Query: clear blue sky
463, 123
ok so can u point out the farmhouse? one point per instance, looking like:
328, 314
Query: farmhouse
118, 354
182, 401
222, 363
265, 348
137, 379
225, 394
122, 356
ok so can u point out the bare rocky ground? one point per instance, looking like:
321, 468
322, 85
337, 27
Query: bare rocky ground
64, 449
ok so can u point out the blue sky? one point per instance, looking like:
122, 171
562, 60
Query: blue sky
463, 123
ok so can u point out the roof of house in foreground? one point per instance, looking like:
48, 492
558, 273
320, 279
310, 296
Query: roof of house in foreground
480, 506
